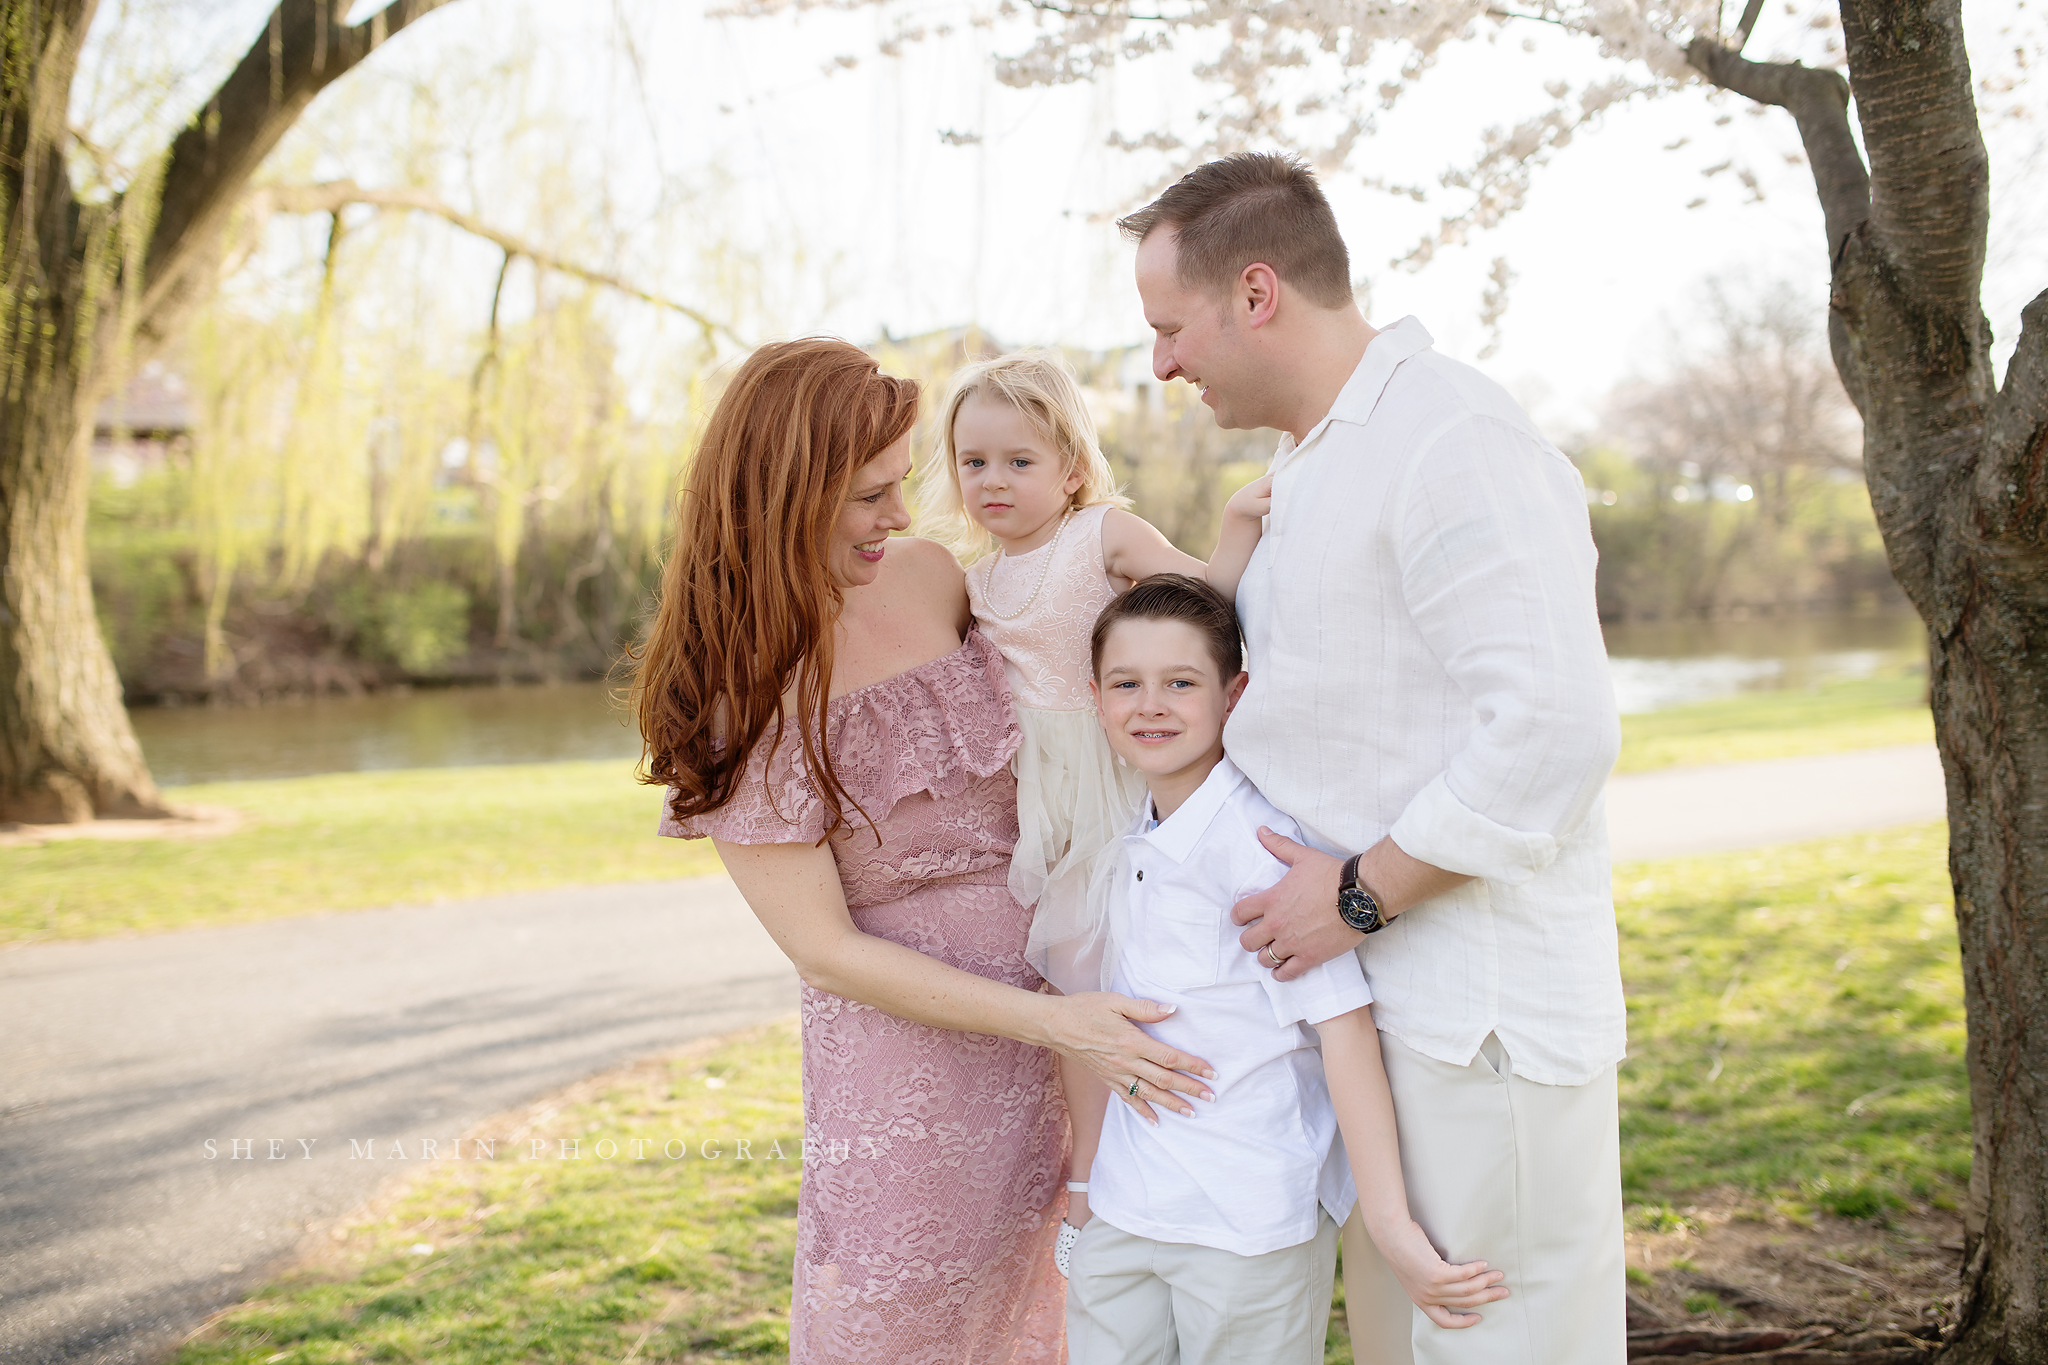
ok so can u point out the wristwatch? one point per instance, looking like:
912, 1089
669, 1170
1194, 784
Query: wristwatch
1355, 905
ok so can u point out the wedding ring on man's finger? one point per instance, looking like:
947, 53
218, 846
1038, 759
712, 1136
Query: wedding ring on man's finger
1268, 951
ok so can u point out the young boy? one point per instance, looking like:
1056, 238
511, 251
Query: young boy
1214, 1238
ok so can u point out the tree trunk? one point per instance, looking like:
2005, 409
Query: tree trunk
67, 751
1991, 717
77, 281
70, 753
1958, 473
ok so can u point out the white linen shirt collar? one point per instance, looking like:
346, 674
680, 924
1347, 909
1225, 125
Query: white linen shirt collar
1361, 392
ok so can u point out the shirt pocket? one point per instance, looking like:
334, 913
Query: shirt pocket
1183, 941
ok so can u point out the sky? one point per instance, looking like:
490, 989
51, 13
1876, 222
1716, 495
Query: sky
907, 193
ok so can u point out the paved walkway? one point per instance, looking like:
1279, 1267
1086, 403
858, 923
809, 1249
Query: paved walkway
120, 1059
1679, 811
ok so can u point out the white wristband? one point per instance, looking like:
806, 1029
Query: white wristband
1077, 1187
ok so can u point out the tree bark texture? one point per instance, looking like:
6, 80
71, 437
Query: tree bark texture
66, 749
84, 289
1958, 474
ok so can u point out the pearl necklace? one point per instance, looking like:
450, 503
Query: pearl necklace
988, 576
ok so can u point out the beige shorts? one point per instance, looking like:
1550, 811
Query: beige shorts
1134, 1301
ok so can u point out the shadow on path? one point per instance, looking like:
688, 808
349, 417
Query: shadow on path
119, 1227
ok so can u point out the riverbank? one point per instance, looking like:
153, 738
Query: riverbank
347, 841
1795, 1092
1867, 713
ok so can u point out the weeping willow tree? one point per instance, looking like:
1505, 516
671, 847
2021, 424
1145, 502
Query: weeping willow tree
85, 287
407, 490
94, 280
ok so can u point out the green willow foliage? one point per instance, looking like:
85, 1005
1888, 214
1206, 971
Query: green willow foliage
399, 496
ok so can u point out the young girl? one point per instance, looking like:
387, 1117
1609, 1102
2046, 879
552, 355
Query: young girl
1020, 489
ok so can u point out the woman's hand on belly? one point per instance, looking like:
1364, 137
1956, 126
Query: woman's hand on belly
795, 891
1099, 1030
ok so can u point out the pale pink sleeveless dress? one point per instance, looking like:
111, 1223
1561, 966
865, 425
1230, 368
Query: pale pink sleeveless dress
935, 1166
1075, 802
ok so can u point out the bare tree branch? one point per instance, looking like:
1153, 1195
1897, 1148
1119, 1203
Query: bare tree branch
1819, 103
1091, 12
304, 46
335, 195
1504, 15
1747, 26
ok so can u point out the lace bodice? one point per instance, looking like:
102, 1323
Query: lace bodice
1045, 646
925, 755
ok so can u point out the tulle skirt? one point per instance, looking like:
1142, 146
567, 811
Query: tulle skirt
1075, 802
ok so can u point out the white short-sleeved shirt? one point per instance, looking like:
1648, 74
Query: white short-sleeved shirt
1247, 1173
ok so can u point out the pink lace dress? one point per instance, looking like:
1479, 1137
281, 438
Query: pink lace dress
935, 1162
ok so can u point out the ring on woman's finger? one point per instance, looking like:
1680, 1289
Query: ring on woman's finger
1134, 1088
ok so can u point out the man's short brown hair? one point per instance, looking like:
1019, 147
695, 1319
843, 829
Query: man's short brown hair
1249, 208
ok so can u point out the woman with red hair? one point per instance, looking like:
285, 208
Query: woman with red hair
816, 700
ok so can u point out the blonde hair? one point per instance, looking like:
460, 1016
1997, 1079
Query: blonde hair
1039, 385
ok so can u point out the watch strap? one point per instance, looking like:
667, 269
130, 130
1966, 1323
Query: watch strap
1348, 878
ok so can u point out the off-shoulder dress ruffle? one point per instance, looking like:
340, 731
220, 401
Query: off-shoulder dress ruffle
935, 1161
931, 729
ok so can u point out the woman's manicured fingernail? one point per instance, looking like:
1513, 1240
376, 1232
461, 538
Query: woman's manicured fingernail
1209, 1096
1168, 1009
1207, 1074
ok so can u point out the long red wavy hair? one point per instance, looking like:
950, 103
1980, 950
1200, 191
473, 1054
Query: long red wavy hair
748, 599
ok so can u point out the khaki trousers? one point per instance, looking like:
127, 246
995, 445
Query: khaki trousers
1134, 1301
1525, 1177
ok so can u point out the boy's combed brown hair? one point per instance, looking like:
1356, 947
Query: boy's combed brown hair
1175, 597
1254, 207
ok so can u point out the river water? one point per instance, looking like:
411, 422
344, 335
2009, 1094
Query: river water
1654, 666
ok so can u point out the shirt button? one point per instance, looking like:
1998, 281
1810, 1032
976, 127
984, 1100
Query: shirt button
1141, 875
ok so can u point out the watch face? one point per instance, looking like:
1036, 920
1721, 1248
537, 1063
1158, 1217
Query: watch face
1358, 909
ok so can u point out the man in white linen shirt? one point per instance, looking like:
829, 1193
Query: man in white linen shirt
1430, 701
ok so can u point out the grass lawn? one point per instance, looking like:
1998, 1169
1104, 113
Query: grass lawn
350, 841
1866, 714
355, 840
1796, 1025
518, 1259
1796, 1037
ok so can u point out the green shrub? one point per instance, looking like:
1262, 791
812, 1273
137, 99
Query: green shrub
421, 628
